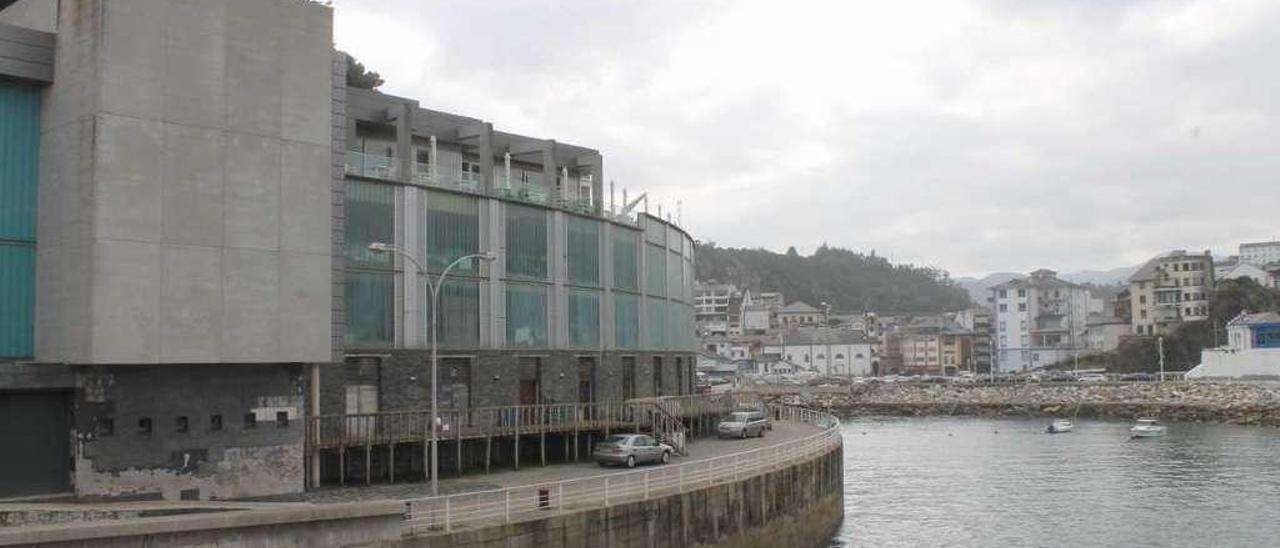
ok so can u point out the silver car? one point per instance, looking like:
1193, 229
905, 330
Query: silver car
743, 424
632, 449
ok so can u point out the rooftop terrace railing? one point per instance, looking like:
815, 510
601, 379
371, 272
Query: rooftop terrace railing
444, 514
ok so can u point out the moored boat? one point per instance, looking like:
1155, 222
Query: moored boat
1060, 426
1147, 428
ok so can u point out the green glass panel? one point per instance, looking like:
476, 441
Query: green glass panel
655, 264
526, 316
19, 159
369, 216
626, 259
370, 300
459, 312
452, 226
526, 242
583, 240
17, 299
656, 312
584, 318
626, 320
675, 276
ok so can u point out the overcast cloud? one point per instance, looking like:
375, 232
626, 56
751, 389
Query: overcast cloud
974, 136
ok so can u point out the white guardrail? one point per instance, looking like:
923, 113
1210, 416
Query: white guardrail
449, 513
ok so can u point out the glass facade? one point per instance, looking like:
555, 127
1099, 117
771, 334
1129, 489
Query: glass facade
656, 313
526, 316
584, 318
583, 242
19, 157
459, 312
655, 265
369, 217
675, 276
626, 320
626, 259
526, 231
452, 230
370, 308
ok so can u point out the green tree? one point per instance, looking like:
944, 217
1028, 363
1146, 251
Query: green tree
360, 77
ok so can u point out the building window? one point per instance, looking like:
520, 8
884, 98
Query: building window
250, 421
583, 240
584, 318
182, 425
370, 303
526, 315
215, 423
282, 419
626, 259
1003, 294
526, 242
1022, 307
144, 426
626, 320
452, 229
106, 427
1004, 307
1022, 293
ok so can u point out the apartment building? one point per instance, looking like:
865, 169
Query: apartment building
1169, 290
1260, 253
1039, 320
210, 196
718, 307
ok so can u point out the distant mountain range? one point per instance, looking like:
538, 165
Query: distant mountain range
978, 287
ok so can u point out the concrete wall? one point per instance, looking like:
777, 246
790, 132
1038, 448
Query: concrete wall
41, 15
186, 184
114, 457
800, 507
1255, 362
363, 524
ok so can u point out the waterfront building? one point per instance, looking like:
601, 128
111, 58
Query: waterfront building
208, 192
824, 350
1040, 320
1252, 350
1169, 290
978, 321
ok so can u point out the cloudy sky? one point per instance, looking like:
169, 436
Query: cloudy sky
975, 136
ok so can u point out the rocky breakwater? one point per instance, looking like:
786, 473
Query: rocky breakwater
1239, 403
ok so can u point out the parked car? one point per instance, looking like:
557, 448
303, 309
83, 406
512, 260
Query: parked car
743, 424
632, 449
1093, 377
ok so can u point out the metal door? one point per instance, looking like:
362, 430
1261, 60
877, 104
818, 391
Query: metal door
38, 424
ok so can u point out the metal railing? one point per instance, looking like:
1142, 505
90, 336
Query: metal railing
530, 502
372, 165
335, 431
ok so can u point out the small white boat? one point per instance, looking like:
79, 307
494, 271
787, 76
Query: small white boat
1146, 428
1060, 426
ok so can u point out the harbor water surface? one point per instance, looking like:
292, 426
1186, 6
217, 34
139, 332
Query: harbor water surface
975, 482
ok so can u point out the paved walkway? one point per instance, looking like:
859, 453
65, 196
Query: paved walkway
700, 449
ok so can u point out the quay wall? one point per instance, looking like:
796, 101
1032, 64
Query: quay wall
1237, 403
800, 506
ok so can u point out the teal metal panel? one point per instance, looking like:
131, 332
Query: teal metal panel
526, 316
369, 217
526, 229
19, 158
17, 299
583, 238
452, 230
626, 320
584, 318
626, 259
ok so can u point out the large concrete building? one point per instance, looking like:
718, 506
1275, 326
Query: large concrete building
188, 191
1169, 290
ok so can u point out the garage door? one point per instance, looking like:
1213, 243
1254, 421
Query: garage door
36, 424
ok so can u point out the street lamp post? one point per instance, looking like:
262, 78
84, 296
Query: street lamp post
380, 247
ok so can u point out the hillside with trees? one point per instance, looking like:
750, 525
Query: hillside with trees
847, 280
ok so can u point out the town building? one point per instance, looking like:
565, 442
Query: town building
1103, 333
1169, 290
1252, 350
1040, 320
1260, 253
824, 351
978, 321
718, 307
799, 314
210, 193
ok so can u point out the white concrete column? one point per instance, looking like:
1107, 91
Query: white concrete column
415, 299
